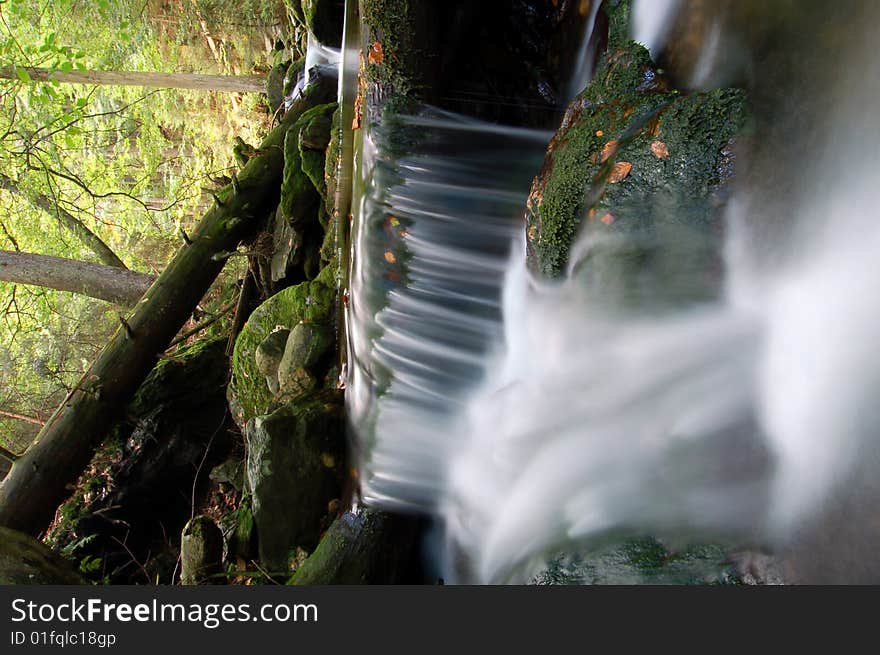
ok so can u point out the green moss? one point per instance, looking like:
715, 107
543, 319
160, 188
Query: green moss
618, 12
295, 69
396, 78
675, 145
642, 561
367, 547
313, 164
308, 301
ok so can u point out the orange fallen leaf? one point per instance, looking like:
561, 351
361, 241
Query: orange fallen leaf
389, 257
376, 54
660, 150
608, 218
619, 172
609, 149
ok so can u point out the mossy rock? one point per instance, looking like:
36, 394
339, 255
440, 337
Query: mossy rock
644, 169
201, 551
269, 355
294, 72
24, 560
641, 561
314, 138
324, 19
300, 195
295, 467
248, 393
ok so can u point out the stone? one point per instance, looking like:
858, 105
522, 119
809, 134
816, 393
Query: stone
201, 551
294, 383
295, 467
305, 345
310, 301
230, 472
268, 356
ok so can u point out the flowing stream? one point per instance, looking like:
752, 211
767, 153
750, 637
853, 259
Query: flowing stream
532, 418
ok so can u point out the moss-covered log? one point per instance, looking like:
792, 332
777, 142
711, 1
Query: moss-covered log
363, 547
41, 479
24, 560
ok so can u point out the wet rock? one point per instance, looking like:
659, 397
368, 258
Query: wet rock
640, 561
201, 551
363, 547
24, 560
645, 170
295, 468
309, 301
315, 135
324, 19
269, 354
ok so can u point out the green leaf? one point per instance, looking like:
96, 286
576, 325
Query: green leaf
66, 67
23, 75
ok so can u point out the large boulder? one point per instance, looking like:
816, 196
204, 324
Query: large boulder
642, 171
295, 468
311, 302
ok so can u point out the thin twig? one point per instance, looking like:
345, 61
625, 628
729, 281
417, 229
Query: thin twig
21, 417
202, 462
133, 558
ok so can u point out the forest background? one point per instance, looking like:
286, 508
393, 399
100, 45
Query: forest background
130, 166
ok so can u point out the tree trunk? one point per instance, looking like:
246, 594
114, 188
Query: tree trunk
116, 285
88, 238
197, 81
41, 478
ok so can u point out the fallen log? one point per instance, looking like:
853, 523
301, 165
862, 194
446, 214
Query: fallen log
44, 476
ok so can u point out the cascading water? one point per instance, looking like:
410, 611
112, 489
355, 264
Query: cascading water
435, 228
573, 422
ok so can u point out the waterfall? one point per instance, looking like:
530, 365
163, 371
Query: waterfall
532, 418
